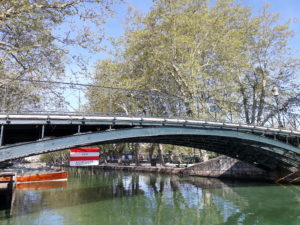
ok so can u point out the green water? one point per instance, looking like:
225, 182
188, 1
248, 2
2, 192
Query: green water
116, 198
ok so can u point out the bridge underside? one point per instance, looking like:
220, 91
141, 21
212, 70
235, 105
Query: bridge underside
253, 153
262, 152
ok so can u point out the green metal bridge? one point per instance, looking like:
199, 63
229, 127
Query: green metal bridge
267, 148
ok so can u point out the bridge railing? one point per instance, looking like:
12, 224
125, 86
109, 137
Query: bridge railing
20, 96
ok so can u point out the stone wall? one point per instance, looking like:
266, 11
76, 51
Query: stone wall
164, 170
220, 167
224, 166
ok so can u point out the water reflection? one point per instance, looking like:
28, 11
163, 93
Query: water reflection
95, 197
42, 185
6, 200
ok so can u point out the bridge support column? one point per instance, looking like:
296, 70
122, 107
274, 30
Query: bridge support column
1, 134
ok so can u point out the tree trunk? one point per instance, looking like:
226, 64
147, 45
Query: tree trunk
120, 150
245, 105
136, 151
254, 107
160, 154
261, 105
151, 150
120, 157
105, 156
262, 96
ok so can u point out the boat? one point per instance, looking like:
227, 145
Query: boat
42, 177
33, 176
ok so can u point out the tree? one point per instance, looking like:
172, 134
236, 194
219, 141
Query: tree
269, 62
209, 60
201, 59
37, 37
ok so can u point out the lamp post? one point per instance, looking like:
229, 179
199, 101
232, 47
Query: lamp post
275, 93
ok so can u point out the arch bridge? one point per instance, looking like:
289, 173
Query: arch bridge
267, 148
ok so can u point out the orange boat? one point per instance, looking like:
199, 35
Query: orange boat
52, 176
39, 177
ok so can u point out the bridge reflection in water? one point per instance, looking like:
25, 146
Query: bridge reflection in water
95, 197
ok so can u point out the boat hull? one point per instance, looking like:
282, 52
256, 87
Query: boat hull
55, 176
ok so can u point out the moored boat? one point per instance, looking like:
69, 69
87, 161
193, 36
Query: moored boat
39, 176
42, 177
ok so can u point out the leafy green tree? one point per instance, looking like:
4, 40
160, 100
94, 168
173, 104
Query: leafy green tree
203, 59
38, 38
269, 63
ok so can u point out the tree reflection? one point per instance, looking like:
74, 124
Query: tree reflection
97, 197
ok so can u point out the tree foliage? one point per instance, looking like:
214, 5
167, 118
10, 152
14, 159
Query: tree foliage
204, 59
56, 158
200, 59
38, 37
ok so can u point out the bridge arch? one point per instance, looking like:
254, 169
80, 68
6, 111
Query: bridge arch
261, 151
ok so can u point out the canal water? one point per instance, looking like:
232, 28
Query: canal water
118, 198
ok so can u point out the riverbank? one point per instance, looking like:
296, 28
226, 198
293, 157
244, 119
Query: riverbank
220, 167
142, 168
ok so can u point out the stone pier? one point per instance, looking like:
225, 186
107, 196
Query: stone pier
226, 167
